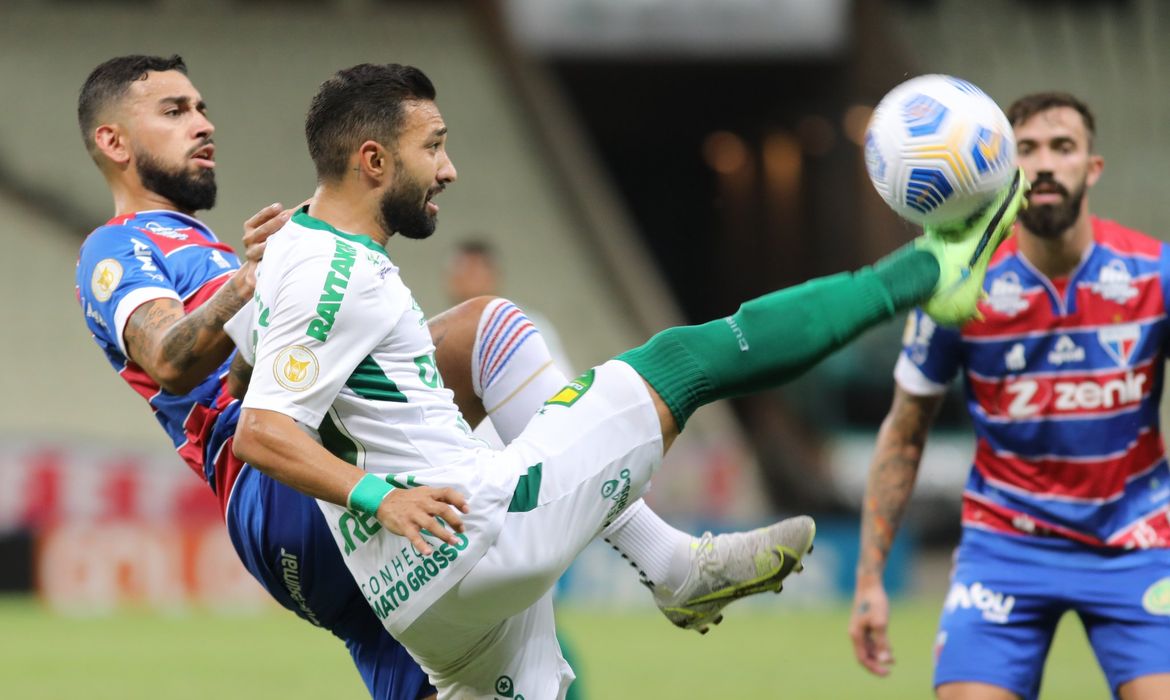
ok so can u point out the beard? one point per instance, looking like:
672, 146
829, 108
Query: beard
404, 209
190, 192
1052, 220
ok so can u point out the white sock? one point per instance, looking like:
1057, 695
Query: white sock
513, 373
660, 553
511, 368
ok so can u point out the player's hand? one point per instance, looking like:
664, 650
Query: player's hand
868, 626
407, 512
263, 224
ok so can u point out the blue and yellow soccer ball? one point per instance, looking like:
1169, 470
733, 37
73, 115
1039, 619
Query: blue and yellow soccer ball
938, 149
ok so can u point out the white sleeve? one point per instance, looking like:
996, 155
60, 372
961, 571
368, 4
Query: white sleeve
310, 346
241, 328
130, 303
911, 378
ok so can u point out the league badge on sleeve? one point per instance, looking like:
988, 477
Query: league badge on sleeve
295, 368
106, 276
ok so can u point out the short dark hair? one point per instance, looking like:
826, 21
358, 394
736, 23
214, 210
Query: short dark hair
476, 246
1029, 106
109, 82
358, 104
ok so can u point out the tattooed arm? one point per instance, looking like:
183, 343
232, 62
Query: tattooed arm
179, 350
891, 481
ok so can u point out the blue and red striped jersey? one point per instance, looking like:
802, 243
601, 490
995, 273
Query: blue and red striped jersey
136, 258
1063, 379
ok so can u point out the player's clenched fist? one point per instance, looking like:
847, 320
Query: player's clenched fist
407, 512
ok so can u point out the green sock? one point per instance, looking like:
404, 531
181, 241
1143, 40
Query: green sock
774, 338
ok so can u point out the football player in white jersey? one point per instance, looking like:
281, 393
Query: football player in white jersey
456, 546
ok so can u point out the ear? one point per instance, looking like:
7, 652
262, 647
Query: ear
1096, 167
374, 161
111, 141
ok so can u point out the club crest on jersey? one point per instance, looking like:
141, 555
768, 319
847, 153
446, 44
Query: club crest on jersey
1065, 351
295, 368
1156, 600
1120, 342
1014, 359
1007, 295
1115, 283
106, 276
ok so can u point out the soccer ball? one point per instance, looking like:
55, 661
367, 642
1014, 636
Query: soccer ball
938, 149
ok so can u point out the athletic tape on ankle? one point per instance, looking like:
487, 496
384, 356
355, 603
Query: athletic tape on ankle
368, 493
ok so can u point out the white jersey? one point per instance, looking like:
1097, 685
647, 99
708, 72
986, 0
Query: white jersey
339, 344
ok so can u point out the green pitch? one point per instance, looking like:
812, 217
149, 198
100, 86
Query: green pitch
801, 654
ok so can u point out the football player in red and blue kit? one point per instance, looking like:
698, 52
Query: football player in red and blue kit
1067, 506
156, 287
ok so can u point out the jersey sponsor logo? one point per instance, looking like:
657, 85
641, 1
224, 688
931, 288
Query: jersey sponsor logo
916, 337
344, 256
142, 253
573, 391
154, 228
91, 312
295, 368
1156, 600
408, 573
994, 606
106, 276
1120, 341
1065, 351
1027, 397
290, 568
1115, 283
220, 261
1007, 295
1014, 359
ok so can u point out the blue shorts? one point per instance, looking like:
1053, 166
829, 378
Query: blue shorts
1008, 593
283, 540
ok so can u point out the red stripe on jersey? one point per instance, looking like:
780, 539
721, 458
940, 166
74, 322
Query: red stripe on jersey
1064, 395
139, 380
1153, 530
196, 298
1125, 241
227, 469
1147, 305
120, 220
1101, 478
992, 516
179, 238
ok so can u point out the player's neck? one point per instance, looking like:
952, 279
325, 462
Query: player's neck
347, 211
128, 200
1058, 257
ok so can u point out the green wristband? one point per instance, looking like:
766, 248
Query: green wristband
368, 493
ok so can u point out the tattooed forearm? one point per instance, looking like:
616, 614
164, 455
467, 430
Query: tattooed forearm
891, 478
180, 350
239, 376
201, 331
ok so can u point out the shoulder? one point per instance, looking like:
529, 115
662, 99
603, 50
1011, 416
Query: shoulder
1125, 241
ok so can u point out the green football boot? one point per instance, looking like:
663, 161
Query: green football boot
964, 251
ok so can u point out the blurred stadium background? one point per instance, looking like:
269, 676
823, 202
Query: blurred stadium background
637, 163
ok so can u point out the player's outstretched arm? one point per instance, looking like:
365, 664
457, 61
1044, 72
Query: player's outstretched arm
891, 480
272, 442
179, 350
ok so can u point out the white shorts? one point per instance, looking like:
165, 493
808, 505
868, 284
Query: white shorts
595, 447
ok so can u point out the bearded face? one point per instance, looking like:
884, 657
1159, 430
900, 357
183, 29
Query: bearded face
1052, 219
404, 208
189, 190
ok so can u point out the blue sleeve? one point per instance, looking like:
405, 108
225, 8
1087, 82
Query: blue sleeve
931, 355
118, 270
